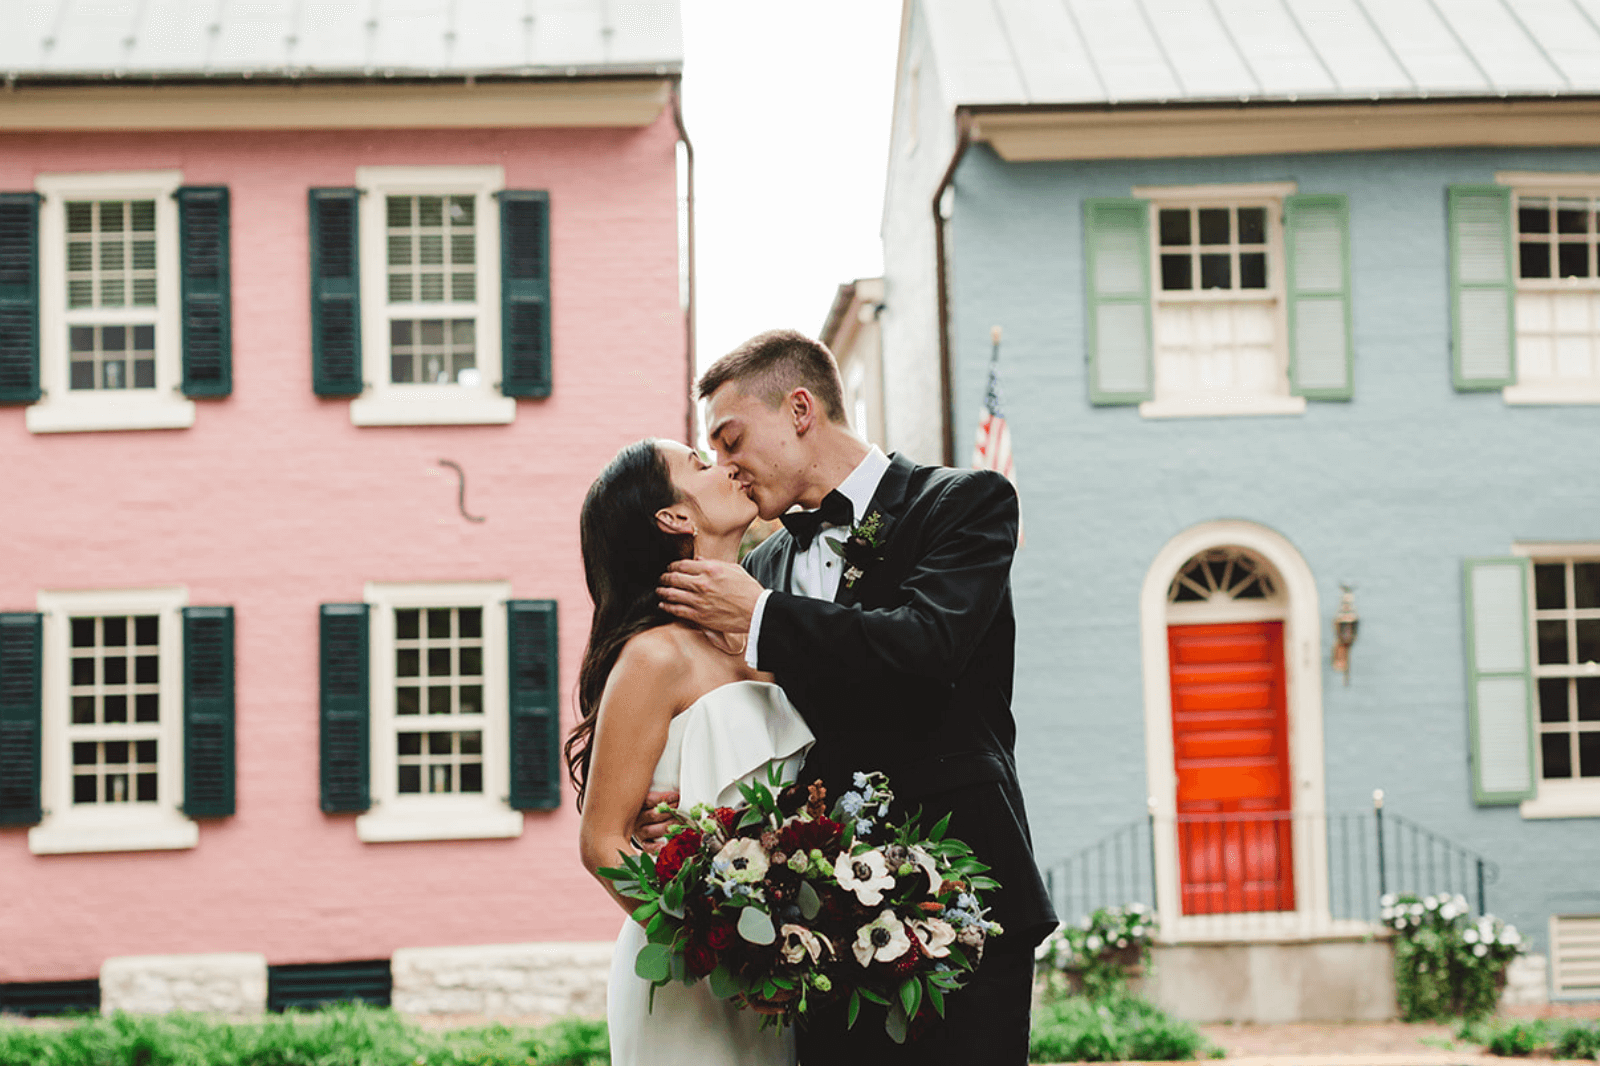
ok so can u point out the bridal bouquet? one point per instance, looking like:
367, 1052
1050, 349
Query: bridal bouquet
784, 904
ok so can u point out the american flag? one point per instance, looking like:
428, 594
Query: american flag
993, 446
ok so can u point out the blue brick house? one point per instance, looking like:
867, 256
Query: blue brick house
1298, 298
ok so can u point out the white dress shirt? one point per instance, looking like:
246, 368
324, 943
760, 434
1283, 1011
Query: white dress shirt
817, 570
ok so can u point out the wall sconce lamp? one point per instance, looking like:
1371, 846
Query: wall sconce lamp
1345, 624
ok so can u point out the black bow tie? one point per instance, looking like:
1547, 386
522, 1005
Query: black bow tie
804, 526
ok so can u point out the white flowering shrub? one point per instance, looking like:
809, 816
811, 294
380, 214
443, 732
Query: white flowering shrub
1095, 955
1448, 964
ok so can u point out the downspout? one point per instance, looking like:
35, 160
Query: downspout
942, 280
690, 434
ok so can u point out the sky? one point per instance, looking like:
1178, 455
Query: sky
788, 107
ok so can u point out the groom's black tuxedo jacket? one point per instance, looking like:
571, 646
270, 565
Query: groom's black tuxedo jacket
909, 670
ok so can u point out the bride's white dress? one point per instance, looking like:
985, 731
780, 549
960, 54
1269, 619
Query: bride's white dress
732, 734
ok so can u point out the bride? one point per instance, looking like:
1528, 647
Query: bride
664, 706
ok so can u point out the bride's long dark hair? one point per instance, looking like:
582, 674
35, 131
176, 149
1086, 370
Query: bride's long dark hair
624, 553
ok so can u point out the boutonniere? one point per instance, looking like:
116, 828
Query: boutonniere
862, 547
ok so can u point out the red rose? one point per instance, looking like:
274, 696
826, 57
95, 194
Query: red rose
699, 957
679, 850
720, 936
822, 834
726, 817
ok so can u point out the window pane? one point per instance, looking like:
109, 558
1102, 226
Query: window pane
399, 249
1557, 751
1589, 754
1252, 270
144, 373
114, 632
471, 662
409, 744
144, 216
1533, 216
1534, 260
430, 332
83, 671
1216, 272
1589, 699
400, 290
430, 210
83, 632
439, 699
83, 710
80, 217
1588, 640
438, 662
470, 621
116, 709
463, 286
430, 249
1552, 641
406, 663
400, 367
1174, 226
472, 776
146, 789
111, 216
145, 669
398, 210
430, 288
147, 707
471, 743
471, 699
1215, 226
407, 700
1553, 699
1586, 584
410, 779
83, 789
462, 248
1573, 260
114, 671
462, 209
439, 624
1572, 216
1550, 586
1177, 273
405, 623
439, 743
146, 629
1252, 225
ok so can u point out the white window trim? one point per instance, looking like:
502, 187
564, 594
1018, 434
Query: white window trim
67, 827
1235, 195
383, 403
394, 817
1573, 798
63, 410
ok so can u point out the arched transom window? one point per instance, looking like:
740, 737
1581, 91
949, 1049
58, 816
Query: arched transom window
1223, 575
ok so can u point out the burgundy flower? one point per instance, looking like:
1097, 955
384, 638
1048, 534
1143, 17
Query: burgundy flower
821, 834
679, 850
699, 957
726, 817
720, 935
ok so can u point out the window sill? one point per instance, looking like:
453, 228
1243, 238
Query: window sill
432, 405
90, 414
438, 818
1216, 407
1552, 393
137, 827
1556, 801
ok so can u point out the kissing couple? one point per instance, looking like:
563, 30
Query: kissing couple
892, 652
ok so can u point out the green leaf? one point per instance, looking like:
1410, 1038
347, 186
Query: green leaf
646, 911
810, 902
672, 899
724, 985
936, 997
853, 1009
654, 962
911, 997
658, 929
896, 1024
938, 831
959, 957
873, 997
836, 545
984, 884
756, 927
751, 817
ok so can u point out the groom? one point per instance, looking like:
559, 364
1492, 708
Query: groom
899, 653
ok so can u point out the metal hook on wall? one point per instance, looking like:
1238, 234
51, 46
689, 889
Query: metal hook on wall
461, 495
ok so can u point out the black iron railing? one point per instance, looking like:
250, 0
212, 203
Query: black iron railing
1337, 865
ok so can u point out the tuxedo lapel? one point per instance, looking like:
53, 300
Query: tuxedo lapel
890, 501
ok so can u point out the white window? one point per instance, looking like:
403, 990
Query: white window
1220, 329
430, 284
110, 349
112, 750
440, 759
1566, 638
1558, 293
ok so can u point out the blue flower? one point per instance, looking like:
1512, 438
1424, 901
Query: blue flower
851, 803
860, 780
883, 810
863, 826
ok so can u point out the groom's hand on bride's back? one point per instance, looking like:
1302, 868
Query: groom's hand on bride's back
649, 829
710, 593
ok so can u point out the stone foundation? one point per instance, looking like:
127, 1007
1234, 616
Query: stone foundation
503, 980
1527, 982
233, 985
1326, 980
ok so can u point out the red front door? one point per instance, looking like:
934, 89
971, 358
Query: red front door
1230, 739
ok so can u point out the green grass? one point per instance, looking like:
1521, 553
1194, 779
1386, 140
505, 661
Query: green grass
338, 1036
1119, 1026
1565, 1039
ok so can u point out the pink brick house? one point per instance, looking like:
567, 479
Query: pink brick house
315, 323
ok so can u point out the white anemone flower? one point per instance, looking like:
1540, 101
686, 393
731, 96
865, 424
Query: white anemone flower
935, 935
741, 861
930, 869
884, 939
867, 875
800, 942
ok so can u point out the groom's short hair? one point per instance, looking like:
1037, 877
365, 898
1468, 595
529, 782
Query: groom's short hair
771, 365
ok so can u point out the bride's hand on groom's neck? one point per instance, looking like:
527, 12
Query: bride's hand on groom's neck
711, 594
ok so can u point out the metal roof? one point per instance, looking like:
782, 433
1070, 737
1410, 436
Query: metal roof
338, 38
1089, 52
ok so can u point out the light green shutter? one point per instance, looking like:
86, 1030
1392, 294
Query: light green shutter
1499, 680
1317, 239
1117, 264
1483, 329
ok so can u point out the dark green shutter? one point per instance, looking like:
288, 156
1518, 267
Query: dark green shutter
535, 705
208, 764
21, 710
1117, 267
335, 292
1483, 306
525, 293
346, 710
1317, 239
203, 242
19, 297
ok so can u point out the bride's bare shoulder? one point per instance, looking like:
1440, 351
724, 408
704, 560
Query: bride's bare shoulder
657, 655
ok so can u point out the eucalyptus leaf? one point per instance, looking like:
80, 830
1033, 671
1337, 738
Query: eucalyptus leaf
896, 1023
756, 927
723, 984
810, 902
654, 962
